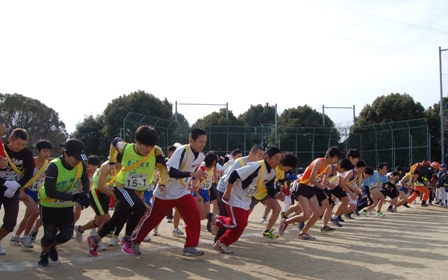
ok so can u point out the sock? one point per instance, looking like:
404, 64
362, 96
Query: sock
95, 240
79, 229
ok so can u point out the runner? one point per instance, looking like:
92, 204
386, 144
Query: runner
16, 174
58, 195
29, 195
242, 185
139, 161
306, 196
182, 165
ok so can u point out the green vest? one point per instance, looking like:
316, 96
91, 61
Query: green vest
138, 178
64, 183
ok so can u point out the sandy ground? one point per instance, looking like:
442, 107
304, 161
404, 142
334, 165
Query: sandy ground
411, 244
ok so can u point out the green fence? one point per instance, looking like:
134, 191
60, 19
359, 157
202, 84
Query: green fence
397, 143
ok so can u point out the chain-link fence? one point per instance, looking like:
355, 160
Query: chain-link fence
397, 143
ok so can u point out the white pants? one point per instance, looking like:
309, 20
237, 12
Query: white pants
442, 195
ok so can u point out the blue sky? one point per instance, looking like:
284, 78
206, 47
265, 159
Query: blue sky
76, 57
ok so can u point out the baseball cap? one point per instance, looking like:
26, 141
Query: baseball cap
443, 165
75, 148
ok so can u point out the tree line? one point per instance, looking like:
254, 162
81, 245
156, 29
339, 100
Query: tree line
97, 131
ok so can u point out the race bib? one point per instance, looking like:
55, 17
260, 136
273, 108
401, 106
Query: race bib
206, 185
136, 181
251, 190
36, 185
372, 186
10, 175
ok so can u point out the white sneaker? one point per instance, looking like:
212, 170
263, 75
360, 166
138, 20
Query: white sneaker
177, 232
15, 240
147, 238
155, 232
264, 221
221, 247
78, 234
26, 242
2, 252
101, 246
113, 241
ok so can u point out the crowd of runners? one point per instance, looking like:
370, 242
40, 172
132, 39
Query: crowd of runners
143, 186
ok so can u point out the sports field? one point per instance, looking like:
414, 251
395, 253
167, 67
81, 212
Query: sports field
410, 244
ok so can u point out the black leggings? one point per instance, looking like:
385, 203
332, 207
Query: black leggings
54, 219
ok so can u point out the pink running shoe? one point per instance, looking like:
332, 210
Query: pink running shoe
92, 247
126, 247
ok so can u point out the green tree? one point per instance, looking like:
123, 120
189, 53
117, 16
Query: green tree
393, 107
89, 132
40, 121
139, 102
259, 115
301, 131
224, 134
384, 126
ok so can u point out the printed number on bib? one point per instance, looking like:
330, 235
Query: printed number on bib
206, 185
36, 185
251, 190
136, 181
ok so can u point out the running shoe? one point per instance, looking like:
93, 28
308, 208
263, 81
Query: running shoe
2, 252
92, 247
170, 221
177, 232
43, 259
380, 214
221, 247
54, 256
78, 234
15, 240
364, 213
425, 205
264, 221
33, 235
340, 219
26, 242
126, 247
335, 221
306, 236
327, 228
282, 227
155, 232
101, 246
147, 238
357, 213
349, 216
192, 252
113, 241
390, 210
136, 248
270, 235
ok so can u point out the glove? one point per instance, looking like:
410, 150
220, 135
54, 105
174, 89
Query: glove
84, 200
12, 185
76, 197
9, 193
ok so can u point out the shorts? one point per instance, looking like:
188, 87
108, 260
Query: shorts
32, 194
305, 191
392, 194
351, 200
320, 195
213, 192
204, 194
102, 207
338, 192
255, 201
147, 195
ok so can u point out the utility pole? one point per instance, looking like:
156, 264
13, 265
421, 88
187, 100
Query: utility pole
442, 119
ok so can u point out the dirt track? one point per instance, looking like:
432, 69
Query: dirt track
411, 244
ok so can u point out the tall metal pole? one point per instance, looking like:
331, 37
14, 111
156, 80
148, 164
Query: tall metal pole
442, 119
